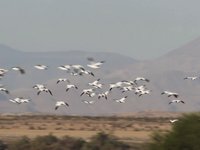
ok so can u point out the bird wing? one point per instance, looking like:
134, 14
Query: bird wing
7, 92
50, 92
66, 104
56, 107
92, 74
22, 71
147, 80
39, 92
175, 95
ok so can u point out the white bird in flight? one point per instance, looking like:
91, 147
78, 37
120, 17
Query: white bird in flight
141, 79
173, 120
21, 70
78, 67
93, 64
177, 101
61, 103
64, 67
44, 90
4, 90
87, 72
88, 102
2, 72
96, 84
38, 86
87, 91
121, 100
115, 85
127, 88
19, 100
169, 94
62, 80
143, 92
191, 78
41, 67
105, 95
69, 86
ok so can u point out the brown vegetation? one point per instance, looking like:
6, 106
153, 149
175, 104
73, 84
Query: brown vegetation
128, 129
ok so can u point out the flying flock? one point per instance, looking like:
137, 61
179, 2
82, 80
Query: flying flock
123, 86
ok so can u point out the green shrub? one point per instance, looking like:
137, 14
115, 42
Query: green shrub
43, 142
103, 141
21, 144
185, 135
3, 146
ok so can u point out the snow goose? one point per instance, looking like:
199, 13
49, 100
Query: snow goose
78, 67
169, 94
176, 101
39, 86
105, 95
115, 85
61, 103
77, 72
93, 64
121, 100
191, 78
96, 84
87, 72
4, 90
65, 67
88, 102
139, 89
41, 67
2, 72
173, 120
69, 86
62, 80
87, 91
128, 82
96, 65
143, 92
44, 90
25, 100
141, 79
74, 74
14, 101
21, 70
19, 100
92, 94
127, 88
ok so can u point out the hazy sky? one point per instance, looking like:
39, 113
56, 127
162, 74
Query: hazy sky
142, 29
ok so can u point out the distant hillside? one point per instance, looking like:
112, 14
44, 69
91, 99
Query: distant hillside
165, 73
10, 57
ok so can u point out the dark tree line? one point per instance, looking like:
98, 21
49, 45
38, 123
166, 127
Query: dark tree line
101, 141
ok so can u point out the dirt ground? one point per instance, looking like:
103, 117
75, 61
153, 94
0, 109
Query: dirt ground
131, 129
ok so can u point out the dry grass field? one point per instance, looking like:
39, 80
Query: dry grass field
131, 128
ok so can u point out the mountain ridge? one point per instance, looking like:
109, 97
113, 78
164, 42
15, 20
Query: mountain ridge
165, 73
